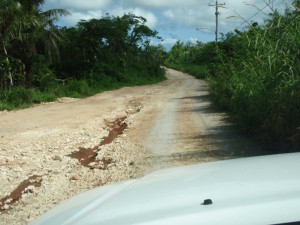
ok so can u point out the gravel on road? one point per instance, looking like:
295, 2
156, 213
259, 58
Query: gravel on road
53, 151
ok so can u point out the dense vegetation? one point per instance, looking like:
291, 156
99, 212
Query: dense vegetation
196, 59
41, 62
255, 74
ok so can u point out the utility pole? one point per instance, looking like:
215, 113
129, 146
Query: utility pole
217, 5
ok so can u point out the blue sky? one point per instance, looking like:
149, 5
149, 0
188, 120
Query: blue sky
174, 19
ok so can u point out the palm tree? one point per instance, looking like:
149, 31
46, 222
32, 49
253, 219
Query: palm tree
23, 25
9, 12
38, 27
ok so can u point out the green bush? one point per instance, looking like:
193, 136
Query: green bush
42, 74
259, 80
77, 88
15, 97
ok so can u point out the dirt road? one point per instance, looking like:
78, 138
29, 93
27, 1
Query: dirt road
53, 151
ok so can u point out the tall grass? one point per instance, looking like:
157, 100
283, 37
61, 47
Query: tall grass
261, 83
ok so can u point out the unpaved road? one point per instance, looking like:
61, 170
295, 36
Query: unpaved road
53, 151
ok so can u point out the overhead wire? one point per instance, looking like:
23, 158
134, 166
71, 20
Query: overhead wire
260, 10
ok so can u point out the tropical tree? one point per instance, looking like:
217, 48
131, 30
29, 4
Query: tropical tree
27, 30
38, 28
108, 46
10, 12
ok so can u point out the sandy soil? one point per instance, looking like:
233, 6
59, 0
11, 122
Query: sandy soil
53, 151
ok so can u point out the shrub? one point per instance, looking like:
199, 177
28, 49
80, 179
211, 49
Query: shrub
259, 81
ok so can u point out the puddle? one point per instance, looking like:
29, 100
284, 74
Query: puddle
87, 156
27, 186
117, 128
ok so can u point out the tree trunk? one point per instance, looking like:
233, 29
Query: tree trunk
9, 67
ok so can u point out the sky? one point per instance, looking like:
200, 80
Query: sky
175, 20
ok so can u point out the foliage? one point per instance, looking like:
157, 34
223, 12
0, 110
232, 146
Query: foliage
42, 74
41, 62
20, 97
197, 59
261, 83
105, 45
255, 74
25, 30
11, 72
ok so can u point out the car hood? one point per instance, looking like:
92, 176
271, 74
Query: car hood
255, 190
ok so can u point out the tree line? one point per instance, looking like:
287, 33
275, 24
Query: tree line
254, 73
40, 61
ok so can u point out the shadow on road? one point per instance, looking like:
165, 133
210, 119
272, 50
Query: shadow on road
223, 139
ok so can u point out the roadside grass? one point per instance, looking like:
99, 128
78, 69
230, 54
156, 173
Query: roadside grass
261, 85
21, 97
196, 70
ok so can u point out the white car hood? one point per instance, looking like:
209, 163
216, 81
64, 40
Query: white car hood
256, 190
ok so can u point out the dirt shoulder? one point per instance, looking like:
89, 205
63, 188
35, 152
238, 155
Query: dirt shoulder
53, 151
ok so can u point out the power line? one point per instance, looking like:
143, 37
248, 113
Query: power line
260, 10
217, 5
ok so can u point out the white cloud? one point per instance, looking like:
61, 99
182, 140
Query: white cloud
78, 5
178, 17
175, 13
169, 14
88, 9
169, 41
232, 15
194, 40
240, 13
75, 17
158, 4
193, 18
148, 15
